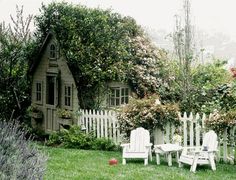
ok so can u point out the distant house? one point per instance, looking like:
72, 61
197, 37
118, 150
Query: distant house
54, 87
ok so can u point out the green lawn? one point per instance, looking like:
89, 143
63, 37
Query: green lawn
85, 164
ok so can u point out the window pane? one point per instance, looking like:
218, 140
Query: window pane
112, 102
69, 91
117, 93
117, 102
67, 95
65, 90
52, 51
126, 100
122, 92
112, 92
38, 91
122, 100
67, 101
126, 91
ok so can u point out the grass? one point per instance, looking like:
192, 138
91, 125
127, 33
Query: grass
76, 164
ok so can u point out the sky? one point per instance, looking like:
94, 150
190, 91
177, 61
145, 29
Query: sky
211, 16
208, 16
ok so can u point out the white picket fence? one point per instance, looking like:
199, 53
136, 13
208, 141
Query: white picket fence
105, 124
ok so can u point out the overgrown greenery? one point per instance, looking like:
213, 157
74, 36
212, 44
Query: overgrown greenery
147, 113
76, 138
102, 46
19, 159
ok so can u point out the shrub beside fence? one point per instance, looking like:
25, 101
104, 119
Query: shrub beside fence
105, 124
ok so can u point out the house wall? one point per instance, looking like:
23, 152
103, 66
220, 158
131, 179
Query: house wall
60, 70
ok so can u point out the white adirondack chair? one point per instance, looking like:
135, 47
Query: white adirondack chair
201, 155
139, 146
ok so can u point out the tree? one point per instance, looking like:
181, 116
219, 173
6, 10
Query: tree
183, 44
102, 46
15, 46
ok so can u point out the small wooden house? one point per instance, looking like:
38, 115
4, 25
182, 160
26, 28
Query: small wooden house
54, 90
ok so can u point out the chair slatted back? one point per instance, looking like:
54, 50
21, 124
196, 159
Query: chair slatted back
139, 138
210, 140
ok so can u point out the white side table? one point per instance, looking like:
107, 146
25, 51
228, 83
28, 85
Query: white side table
167, 149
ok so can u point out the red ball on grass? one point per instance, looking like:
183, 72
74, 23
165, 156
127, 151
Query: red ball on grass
113, 161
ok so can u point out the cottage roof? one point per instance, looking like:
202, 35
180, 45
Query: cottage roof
36, 60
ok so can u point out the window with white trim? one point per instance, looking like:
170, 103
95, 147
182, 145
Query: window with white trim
68, 95
118, 96
38, 92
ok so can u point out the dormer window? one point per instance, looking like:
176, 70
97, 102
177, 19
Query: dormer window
52, 51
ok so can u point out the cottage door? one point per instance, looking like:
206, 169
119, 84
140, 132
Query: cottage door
51, 102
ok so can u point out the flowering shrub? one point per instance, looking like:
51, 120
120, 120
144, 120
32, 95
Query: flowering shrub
148, 114
64, 113
219, 121
233, 71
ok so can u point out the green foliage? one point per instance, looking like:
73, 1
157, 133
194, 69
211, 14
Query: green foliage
104, 144
148, 114
102, 46
16, 49
76, 138
211, 75
211, 88
64, 113
19, 158
33, 108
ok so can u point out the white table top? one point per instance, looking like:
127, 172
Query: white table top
168, 147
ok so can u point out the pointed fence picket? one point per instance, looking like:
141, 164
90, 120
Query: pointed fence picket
104, 124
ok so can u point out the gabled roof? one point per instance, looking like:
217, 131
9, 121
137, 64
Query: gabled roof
36, 60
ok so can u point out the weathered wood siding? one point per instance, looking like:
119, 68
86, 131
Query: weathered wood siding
65, 77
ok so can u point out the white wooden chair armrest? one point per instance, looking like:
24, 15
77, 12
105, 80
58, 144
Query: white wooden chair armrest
124, 145
149, 145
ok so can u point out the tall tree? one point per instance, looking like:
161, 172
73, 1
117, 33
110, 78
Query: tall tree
14, 51
183, 44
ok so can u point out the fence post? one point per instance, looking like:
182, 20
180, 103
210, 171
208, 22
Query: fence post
167, 135
197, 129
185, 129
191, 134
225, 151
